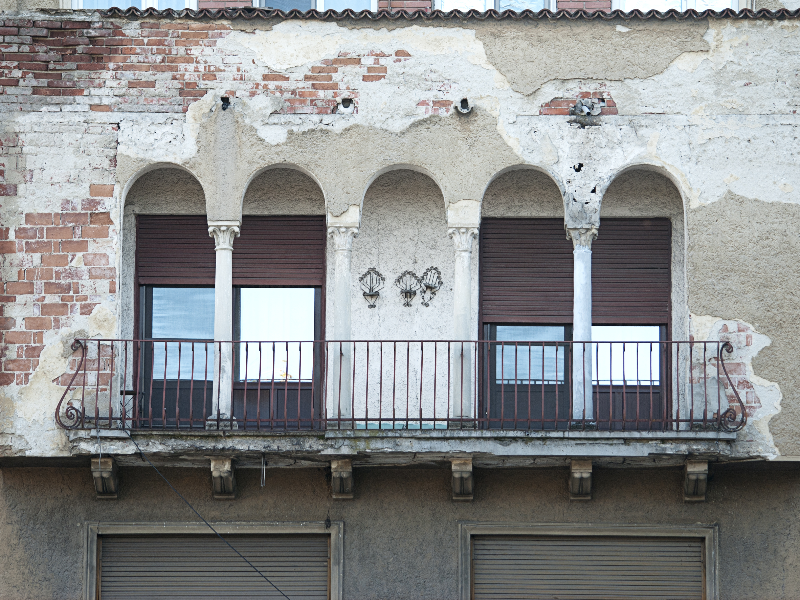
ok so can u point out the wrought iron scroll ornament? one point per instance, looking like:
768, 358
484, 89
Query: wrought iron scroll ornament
729, 421
409, 284
73, 415
431, 281
371, 285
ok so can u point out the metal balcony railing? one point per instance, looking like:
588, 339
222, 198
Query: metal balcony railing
396, 385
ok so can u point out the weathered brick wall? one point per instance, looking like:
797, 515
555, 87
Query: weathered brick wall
58, 263
163, 66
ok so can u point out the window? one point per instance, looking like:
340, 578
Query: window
278, 276
145, 560
484, 5
305, 5
572, 561
141, 4
526, 297
679, 5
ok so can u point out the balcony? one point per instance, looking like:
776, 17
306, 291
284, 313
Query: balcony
418, 387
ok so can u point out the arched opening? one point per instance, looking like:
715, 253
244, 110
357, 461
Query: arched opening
403, 229
278, 296
639, 301
526, 271
166, 294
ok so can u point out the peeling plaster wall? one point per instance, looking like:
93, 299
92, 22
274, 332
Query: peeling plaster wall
748, 271
710, 105
401, 530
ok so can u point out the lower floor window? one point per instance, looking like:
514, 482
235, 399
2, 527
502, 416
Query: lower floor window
575, 562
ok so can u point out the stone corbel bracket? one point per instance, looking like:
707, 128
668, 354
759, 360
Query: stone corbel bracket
342, 479
695, 480
463, 482
580, 480
222, 479
104, 474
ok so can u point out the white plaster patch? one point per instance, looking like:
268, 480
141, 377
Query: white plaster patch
296, 43
623, 29
35, 403
787, 188
755, 439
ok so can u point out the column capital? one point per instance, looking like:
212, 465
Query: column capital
462, 237
342, 237
582, 236
223, 233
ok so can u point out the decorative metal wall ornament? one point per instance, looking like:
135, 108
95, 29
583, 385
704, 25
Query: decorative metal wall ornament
409, 285
431, 281
371, 285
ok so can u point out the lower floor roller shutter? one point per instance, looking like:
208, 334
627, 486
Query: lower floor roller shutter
203, 566
587, 568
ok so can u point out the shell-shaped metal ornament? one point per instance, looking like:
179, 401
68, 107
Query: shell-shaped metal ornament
409, 285
431, 282
371, 285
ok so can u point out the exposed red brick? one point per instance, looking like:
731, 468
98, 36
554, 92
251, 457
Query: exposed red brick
41, 323
19, 287
101, 190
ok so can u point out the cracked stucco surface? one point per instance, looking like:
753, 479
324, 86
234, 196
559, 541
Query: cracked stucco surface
707, 105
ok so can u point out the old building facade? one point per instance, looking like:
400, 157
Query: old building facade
405, 305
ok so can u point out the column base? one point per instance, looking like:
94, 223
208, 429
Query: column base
224, 423
340, 424
583, 426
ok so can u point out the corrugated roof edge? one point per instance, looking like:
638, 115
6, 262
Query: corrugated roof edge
265, 13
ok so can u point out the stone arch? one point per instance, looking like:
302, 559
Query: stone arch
404, 167
258, 198
523, 191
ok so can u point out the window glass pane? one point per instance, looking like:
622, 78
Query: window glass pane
286, 5
105, 4
701, 5
465, 5
520, 5
340, 5
277, 315
183, 314
626, 360
174, 4
535, 362
645, 5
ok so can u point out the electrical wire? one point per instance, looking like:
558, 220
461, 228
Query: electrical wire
202, 519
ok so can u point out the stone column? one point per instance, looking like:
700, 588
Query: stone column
340, 381
461, 396
582, 238
223, 233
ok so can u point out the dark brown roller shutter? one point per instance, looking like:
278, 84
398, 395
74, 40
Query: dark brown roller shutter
174, 250
587, 567
202, 566
631, 272
280, 251
526, 271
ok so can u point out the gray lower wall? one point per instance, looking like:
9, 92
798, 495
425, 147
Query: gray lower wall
400, 532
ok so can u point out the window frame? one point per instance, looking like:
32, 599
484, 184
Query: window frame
320, 5
189, 4
91, 556
708, 533
736, 5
